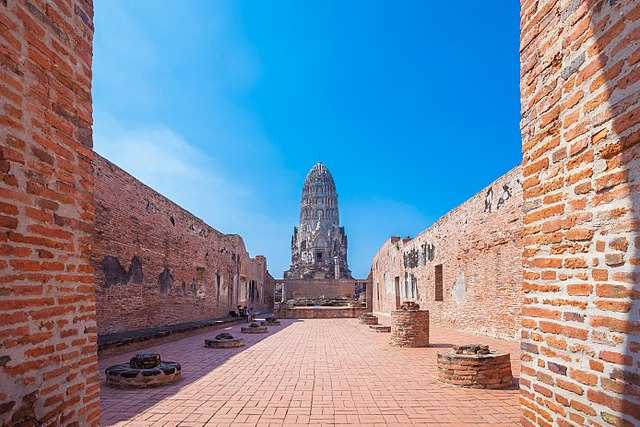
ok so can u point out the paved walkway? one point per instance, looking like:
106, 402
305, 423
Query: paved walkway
327, 372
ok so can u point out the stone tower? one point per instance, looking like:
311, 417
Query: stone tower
319, 244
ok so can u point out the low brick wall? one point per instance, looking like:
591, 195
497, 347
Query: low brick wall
316, 288
122, 342
322, 312
410, 328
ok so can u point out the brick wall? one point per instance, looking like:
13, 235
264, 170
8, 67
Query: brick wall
320, 313
157, 264
316, 288
580, 124
48, 363
478, 246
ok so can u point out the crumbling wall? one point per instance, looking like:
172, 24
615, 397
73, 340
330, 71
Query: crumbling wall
580, 91
48, 362
477, 247
157, 264
317, 288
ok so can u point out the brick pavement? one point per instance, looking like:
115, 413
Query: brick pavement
319, 371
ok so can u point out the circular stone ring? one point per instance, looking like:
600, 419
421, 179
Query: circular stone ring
124, 376
224, 343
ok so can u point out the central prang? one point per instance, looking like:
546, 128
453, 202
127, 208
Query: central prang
319, 244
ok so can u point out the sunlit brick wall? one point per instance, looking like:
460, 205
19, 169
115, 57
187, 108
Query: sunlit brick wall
157, 264
580, 124
48, 363
478, 248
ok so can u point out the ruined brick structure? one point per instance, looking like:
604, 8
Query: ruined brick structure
319, 265
475, 366
317, 288
157, 264
409, 328
319, 244
580, 91
48, 363
321, 313
465, 268
576, 220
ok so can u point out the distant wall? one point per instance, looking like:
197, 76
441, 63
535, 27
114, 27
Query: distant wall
479, 248
157, 264
316, 288
321, 313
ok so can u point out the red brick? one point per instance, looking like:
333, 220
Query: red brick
193, 251
26, 280
614, 403
492, 226
583, 377
617, 358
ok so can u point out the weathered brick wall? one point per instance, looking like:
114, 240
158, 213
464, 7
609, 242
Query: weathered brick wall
48, 363
316, 288
157, 264
580, 124
479, 247
321, 313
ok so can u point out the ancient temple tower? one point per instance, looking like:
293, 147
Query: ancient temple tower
319, 244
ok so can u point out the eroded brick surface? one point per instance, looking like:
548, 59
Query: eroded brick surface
312, 372
157, 264
478, 248
580, 128
48, 363
409, 328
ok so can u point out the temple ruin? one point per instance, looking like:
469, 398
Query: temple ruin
545, 258
318, 243
319, 274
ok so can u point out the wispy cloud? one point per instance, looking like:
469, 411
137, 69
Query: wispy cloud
170, 108
158, 156
164, 160
208, 154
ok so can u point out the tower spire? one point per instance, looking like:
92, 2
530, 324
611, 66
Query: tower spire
318, 241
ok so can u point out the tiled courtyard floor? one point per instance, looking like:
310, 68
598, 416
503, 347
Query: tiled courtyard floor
327, 372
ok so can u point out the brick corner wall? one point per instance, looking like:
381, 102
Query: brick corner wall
48, 362
580, 100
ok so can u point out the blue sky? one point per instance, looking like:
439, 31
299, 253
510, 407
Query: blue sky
224, 106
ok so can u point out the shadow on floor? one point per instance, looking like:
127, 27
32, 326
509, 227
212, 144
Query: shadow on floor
200, 361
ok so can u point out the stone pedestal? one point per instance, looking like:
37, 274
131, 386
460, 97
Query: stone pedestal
465, 367
144, 370
224, 340
410, 328
254, 328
